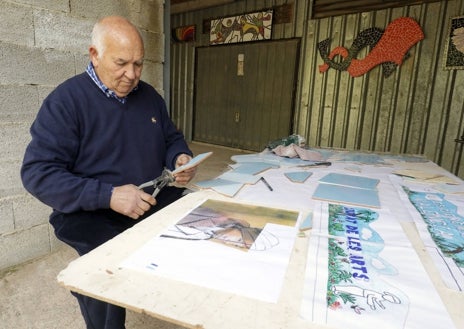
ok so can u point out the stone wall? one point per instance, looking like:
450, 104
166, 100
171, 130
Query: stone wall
42, 43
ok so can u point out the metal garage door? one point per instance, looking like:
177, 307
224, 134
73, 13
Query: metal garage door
244, 93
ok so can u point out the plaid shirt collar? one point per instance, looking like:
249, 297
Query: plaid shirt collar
108, 92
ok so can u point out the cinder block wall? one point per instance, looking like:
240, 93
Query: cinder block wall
42, 43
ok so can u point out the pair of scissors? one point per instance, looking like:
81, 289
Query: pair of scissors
159, 182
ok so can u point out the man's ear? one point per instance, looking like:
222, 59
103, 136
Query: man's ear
93, 54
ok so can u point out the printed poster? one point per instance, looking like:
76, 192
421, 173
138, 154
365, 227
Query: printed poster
441, 228
234, 247
362, 272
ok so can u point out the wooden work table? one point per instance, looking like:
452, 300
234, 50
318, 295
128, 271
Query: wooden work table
99, 275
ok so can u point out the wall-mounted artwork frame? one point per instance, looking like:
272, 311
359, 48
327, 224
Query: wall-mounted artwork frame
184, 33
454, 49
248, 27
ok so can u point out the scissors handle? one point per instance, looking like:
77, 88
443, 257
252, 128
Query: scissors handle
159, 182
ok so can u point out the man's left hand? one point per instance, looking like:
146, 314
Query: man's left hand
185, 176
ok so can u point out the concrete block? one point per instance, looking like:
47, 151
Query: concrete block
153, 74
54, 5
9, 171
61, 31
81, 62
29, 212
55, 244
148, 16
154, 46
98, 9
34, 66
16, 24
6, 216
43, 92
16, 101
15, 137
22, 246
21, 212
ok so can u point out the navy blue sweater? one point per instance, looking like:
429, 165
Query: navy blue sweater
84, 143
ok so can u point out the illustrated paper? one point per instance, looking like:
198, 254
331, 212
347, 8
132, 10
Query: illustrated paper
237, 248
362, 272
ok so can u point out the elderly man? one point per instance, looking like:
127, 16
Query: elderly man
96, 137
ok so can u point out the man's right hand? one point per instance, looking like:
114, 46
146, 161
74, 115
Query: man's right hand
129, 200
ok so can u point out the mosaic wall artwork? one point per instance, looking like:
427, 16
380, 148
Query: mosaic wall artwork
184, 33
242, 28
454, 51
388, 48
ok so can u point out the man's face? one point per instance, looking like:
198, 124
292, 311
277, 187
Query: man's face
120, 65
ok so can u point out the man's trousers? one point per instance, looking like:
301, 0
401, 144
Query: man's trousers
86, 230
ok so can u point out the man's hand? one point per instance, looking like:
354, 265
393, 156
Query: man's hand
131, 201
185, 176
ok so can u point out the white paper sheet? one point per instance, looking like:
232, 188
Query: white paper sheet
257, 273
393, 288
451, 274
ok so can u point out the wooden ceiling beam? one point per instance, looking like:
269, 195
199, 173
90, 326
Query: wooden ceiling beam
180, 6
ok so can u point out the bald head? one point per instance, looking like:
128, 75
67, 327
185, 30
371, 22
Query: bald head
117, 54
113, 29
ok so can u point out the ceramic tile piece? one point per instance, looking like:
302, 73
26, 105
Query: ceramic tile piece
239, 177
307, 223
222, 186
270, 158
194, 162
252, 168
350, 180
348, 195
298, 176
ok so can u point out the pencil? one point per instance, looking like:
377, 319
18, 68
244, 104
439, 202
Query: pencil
266, 183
